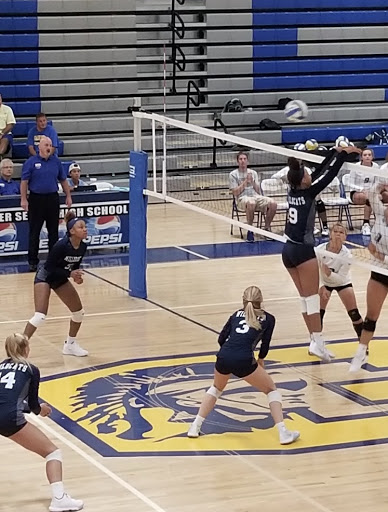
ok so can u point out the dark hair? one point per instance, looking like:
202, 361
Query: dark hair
41, 114
69, 216
242, 153
296, 172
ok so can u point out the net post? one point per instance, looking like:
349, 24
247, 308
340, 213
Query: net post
137, 126
154, 154
138, 170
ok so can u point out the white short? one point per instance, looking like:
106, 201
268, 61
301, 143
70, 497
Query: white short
261, 202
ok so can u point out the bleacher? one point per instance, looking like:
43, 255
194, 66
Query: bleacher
83, 62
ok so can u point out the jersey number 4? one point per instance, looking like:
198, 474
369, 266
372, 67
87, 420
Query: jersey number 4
8, 379
244, 327
292, 215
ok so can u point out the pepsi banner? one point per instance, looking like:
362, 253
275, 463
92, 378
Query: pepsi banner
106, 216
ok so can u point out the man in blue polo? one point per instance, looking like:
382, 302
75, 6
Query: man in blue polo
8, 187
41, 174
41, 129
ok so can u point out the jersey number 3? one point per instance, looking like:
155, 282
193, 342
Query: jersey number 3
292, 215
8, 379
244, 327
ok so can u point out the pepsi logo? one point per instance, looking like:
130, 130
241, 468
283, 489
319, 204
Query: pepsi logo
108, 225
8, 232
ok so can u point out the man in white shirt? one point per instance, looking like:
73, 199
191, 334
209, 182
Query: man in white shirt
7, 122
245, 186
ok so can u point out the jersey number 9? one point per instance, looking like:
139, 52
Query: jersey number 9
292, 215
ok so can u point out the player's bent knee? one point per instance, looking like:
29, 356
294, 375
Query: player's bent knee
303, 304
213, 391
354, 315
313, 304
78, 316
55, 455
274, 396
369, 325
37, 319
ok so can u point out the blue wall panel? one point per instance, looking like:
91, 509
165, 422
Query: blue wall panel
22, 92
331, 18
18, 24
19, 6
275, 50
19, 75
263, 35
25, 108
19, 41
284, 83
272, 5
19, 57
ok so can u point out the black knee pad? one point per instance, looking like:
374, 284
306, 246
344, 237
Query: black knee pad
369, 325
320, 206
354, 315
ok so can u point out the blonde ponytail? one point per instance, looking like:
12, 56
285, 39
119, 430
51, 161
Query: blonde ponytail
16, 347
252, 299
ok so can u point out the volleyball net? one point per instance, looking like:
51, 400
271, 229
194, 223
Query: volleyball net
189, 166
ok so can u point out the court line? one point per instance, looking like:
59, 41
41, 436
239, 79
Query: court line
191, 252
98, 465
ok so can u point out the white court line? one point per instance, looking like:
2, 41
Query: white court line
191, 252
97, 464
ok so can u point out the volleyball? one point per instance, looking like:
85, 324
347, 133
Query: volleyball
311, 145
296, 111
300, 147
342, 141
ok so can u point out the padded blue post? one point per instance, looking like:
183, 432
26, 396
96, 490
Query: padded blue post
138, 169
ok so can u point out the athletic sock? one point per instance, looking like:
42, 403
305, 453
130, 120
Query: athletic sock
366, 221
58, 490
198, 420
281, 426
70, 340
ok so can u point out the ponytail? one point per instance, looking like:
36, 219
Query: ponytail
252, 299
16, 346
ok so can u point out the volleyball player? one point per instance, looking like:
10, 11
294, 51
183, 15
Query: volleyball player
335, 275
298, 252
377, 288
63, 261
238, 339
19, 386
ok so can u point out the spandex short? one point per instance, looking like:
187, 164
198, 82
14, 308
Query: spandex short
294, 255
41, 277
9, 429
338, 288
240, 369
380, 278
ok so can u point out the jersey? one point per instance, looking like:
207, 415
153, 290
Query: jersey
379, 233
283, 174
301, 211
340, 269
238, 340
62, 260
360, 180
19, 382
236, 178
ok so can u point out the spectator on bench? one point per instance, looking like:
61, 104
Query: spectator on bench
41, 129
360, 183
74, 180
245, 186
8, 187
7, 122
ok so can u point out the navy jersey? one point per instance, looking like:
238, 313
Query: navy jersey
19, 382
62, 260
238, 340
301, 212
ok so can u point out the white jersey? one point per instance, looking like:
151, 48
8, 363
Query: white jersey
237, 177
360, 180
340, 269
379, 234
384, 167
282, 174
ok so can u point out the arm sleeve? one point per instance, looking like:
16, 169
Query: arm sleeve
224, 334
267, 336
26, 170
33, 392
331, 173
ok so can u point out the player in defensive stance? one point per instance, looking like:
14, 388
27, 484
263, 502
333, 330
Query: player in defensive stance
377, 288
335, 275
19, 385
298, 252
238, 339
63, 261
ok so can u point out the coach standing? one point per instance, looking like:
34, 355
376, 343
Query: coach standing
40, 175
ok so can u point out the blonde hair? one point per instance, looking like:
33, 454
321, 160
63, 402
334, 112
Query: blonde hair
16, 347
339, 225
252, 299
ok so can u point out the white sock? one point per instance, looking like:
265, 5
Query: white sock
281, 426
317, 337
70, 340
199, 420
57, 490
361, 350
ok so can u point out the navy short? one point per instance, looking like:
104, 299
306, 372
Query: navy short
294, 255
338, 288
9, 138
240, 369
9, 429
380, 278
41, 277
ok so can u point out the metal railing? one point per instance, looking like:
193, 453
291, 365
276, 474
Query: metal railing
192, 99
217, 121
178, 30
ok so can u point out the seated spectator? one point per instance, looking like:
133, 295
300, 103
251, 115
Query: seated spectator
245, 186
7, 122
8, 187
41, 129
74, 176
384, 167
359, 184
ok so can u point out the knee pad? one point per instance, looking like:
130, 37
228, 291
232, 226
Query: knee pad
303, 304
37, 319
78, 316
369, 325
312, 303
274, 396
320, 206
55, 455
354, 315
213, 391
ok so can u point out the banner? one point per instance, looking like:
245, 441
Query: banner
107, 223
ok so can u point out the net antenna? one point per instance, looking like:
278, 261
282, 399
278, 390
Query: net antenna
186, 151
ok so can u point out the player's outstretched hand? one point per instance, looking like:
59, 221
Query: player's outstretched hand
45, 410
